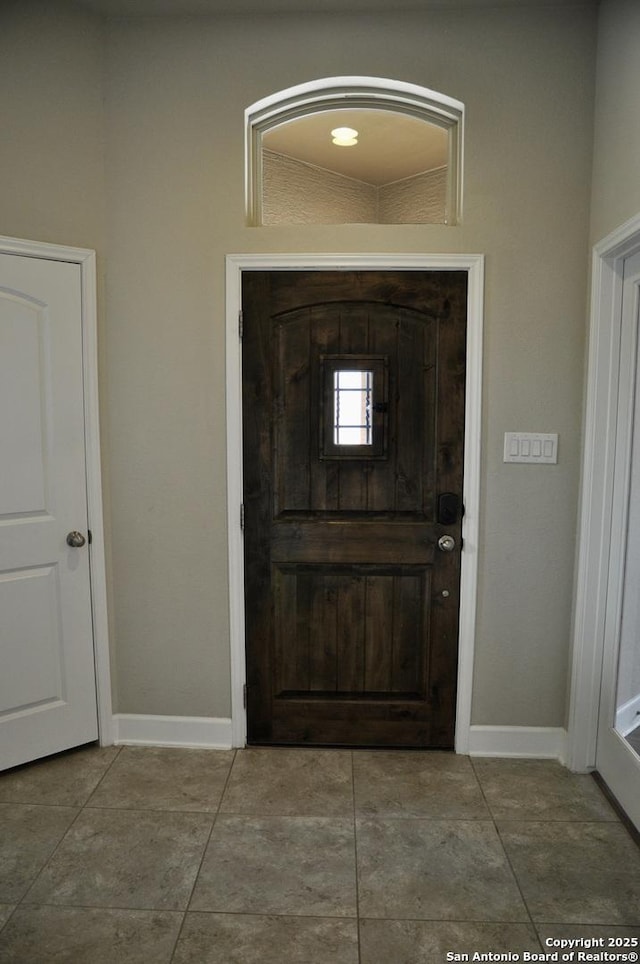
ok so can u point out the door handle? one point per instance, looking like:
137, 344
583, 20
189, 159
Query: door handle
446, 543
75, 539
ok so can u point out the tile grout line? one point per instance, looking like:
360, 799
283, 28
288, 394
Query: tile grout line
507, 858
210, 913
619, 813
22, 906
21, 901
44, 866
30, 803
15, 907
102, 778
204, 852
355, 854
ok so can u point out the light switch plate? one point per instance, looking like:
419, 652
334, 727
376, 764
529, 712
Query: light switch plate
533, 448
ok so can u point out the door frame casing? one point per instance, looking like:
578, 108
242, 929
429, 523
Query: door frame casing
473, 264
86, 259
602, 529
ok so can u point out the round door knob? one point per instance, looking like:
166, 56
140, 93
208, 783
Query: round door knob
446, 543
76, 540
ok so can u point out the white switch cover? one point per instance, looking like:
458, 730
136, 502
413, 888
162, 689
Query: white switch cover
531, 447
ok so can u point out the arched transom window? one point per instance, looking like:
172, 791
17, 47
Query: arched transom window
354, 149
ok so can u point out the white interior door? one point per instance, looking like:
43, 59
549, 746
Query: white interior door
616, 761
47, 679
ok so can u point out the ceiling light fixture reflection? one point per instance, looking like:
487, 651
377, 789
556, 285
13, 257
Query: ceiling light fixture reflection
344, 136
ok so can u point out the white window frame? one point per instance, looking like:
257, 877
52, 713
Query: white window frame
373, 93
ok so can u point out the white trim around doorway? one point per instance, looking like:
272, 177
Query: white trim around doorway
86, 259
473, 264
601, 531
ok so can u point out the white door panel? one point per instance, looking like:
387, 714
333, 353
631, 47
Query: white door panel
22, 482
616, 761
47, 683
29, 604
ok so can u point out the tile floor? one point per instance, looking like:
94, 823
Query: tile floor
633, 739
128, 855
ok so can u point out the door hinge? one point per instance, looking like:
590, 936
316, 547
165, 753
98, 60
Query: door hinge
242, 516
244, 696
240, 323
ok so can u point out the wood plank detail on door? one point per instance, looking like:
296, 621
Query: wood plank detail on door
351, 609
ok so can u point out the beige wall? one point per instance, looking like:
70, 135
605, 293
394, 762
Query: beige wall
51, 129
175, 96
418, 199
616, 159
295, 192
298, 193
52, 184
176, 93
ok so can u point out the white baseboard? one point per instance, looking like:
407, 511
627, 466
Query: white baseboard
628, 716
535, 742
136, 729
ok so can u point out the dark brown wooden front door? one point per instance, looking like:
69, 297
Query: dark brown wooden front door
353, 416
